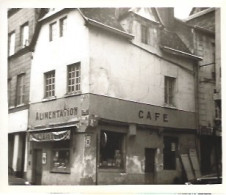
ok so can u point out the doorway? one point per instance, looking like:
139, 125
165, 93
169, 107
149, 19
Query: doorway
37, 167
150, 165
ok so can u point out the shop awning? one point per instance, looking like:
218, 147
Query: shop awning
50, 136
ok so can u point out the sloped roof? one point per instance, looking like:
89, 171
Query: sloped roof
172, 40
103, 15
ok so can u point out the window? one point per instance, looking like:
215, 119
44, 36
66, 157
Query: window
169, 152
63, 26
24, 35
20, 89
144, 34
10, 92
74, 78
50, 84
60, 159
52, 31
12, 43
111, 149
169, 90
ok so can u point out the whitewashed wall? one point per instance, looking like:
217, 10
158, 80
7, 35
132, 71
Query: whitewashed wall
57, 54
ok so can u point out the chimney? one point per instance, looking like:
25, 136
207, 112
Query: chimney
166, 15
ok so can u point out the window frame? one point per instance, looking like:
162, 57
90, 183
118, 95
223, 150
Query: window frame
144, 34
74, 82
12, 44
51, 84
24, 42
62, 27
20, 90
57, 170
122, 152
169, 91
51, 31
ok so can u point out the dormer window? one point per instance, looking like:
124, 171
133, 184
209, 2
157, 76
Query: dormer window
24, 35
144, 34
52, 31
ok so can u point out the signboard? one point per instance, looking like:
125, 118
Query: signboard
62, 110
139, 113
43, 158
50, 136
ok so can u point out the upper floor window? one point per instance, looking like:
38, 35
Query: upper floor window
63, 26
20, 91
52, 31
144, 34
12, 43
50, 84
74, 78
169, 90
9, 92
24, 35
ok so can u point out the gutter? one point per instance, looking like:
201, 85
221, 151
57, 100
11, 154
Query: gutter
177, 52
199, 14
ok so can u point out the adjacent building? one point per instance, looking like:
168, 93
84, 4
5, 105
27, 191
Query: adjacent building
21, 27
203, 39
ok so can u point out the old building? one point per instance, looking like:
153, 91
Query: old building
112, 98
201, 33
21, 27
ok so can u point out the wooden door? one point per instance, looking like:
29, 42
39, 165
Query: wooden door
149, 165
37, 167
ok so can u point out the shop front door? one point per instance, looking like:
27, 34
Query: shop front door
37, 167
149, 165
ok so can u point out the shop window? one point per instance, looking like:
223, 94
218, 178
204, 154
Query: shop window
50, 84
144, 34
74, 78
169, 90
169, 152
12, 43
60, 159
63, 26
111, 149
52, 31
24, 35
20, 91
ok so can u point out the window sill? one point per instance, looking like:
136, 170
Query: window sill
19, 105
73, 94
170, 106
61, 172
113, 170
49, 99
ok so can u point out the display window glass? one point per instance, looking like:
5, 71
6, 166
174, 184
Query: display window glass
111, 150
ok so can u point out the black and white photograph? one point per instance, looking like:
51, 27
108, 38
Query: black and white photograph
114, 96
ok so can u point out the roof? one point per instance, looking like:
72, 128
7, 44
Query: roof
172, 40
105, 16
204, 19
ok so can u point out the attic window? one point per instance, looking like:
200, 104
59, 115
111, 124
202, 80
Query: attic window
144, 34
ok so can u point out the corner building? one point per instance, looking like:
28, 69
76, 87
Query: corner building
112, 99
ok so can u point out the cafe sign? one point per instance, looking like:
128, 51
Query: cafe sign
50, 136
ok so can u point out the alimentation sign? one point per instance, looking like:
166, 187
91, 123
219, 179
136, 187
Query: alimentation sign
59, 111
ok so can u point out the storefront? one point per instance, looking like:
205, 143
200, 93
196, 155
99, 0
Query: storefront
122, 142
140, 143
61, 149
